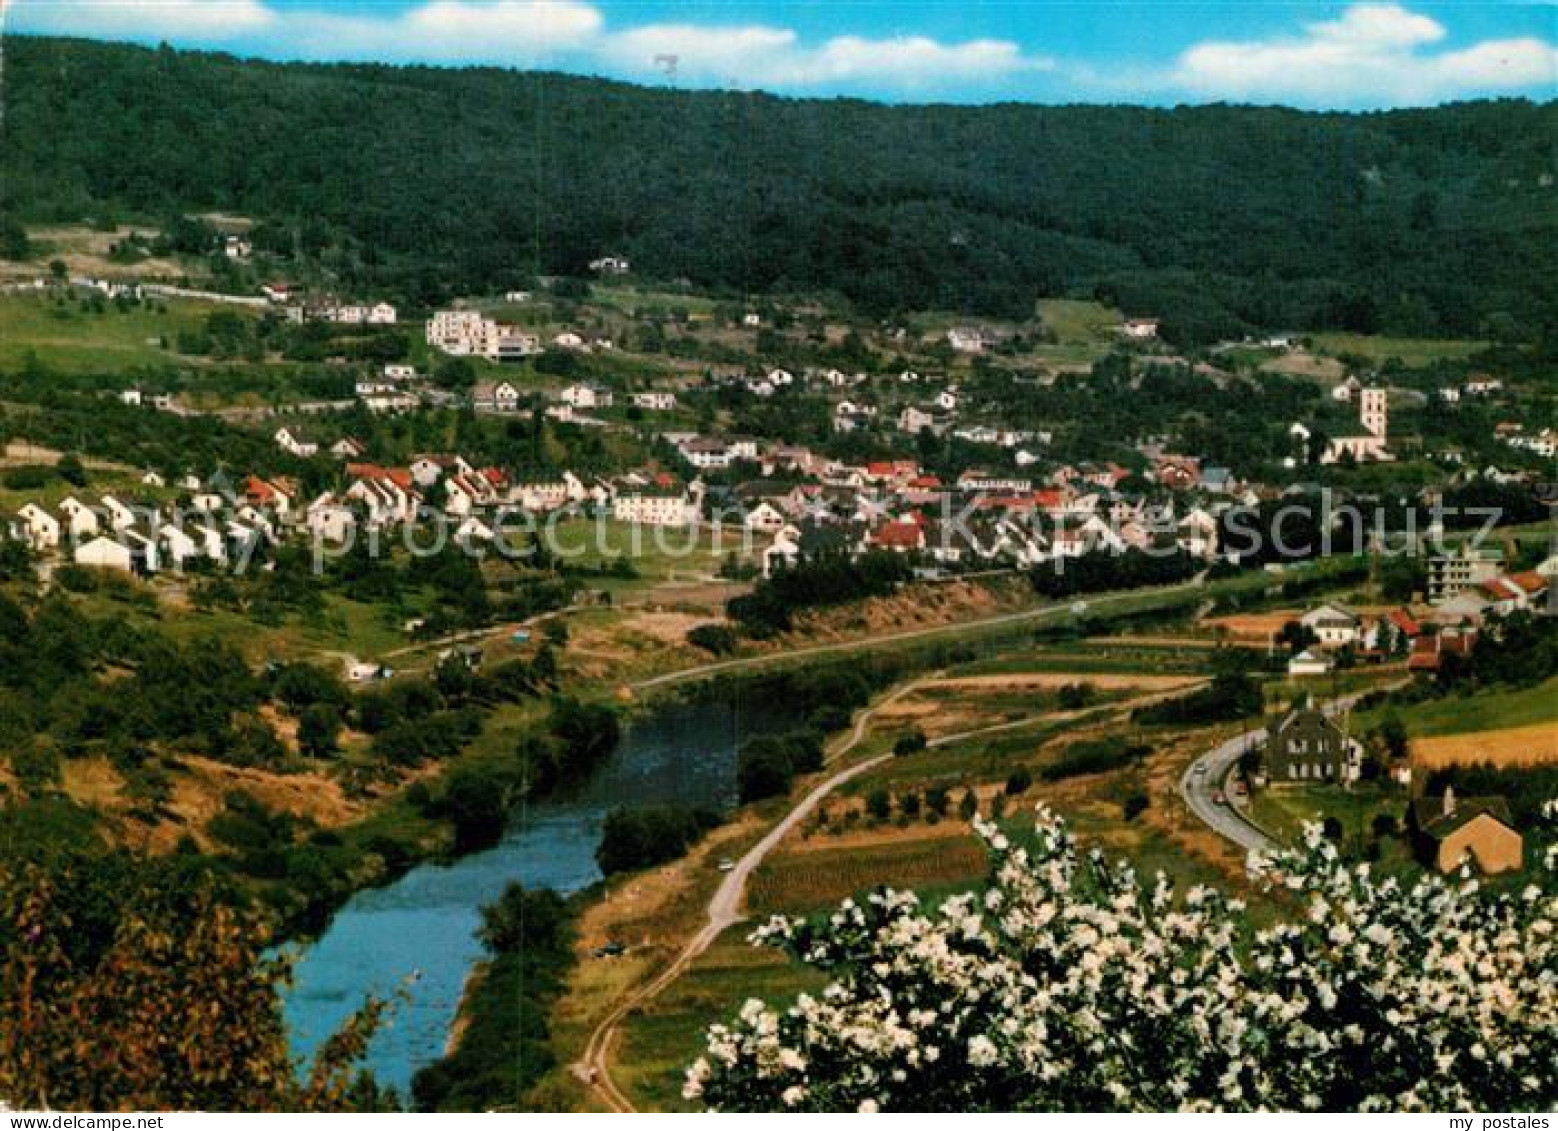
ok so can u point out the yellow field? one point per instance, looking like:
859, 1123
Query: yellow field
1532, 745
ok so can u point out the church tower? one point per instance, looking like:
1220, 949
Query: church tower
1372, 412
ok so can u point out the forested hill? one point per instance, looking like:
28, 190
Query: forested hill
422, 182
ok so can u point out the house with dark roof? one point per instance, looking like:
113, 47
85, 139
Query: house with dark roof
1449, 832
1307, 746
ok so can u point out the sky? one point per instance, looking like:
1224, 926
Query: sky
1363, 55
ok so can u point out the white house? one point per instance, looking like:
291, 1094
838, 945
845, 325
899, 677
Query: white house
178, 545
473, 530
542, 496
655, 401
783, 552
42, 528
105, 553
1198, 533
120, 515
382, 314
915, 420
610, 265
429, 469
765, 518
586, 396
328, 519
1309, 663
289, 438
967, 339
80, 519
1333, 626
706, 454
569, 340
1140, 329
348, 448
495, 396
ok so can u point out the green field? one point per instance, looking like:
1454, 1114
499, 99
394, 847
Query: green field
1410, 351
656, 554
1466, 714
1078, 322
633, 300
74, 339
1283, 810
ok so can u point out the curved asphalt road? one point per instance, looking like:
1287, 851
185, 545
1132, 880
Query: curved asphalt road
1198, 788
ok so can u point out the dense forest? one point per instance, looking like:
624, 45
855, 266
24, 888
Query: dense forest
421, 182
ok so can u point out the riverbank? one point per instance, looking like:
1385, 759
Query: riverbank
553, 843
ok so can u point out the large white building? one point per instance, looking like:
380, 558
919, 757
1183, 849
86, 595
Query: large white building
469, 333
649, 506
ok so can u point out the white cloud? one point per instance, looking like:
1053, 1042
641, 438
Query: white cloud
197, 20
771, 57
449, 31
1374, 54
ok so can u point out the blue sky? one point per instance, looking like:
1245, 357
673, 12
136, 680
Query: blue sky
1157, 52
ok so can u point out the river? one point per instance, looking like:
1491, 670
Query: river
417, 933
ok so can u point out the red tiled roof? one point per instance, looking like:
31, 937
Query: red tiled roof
256, 490
1403, 620
1529, 580
898, 534
1049, 499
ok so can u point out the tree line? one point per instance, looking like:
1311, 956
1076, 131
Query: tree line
1419, 222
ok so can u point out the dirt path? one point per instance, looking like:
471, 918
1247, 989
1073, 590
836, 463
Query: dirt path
594, 1066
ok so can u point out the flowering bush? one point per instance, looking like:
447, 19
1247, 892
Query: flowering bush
1069, 984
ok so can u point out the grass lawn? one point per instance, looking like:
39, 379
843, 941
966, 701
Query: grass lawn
73, 339
122, 485
1410, 351
1282, 809
1465, 714
660, 1041
632, 299
1078, 322
656, 554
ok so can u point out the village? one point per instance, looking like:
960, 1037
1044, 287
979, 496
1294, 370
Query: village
612, 558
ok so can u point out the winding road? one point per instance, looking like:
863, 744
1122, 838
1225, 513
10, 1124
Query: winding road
1208, 775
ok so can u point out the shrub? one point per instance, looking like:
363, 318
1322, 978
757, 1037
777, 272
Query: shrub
641, 838
717, 639
1027, 1011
